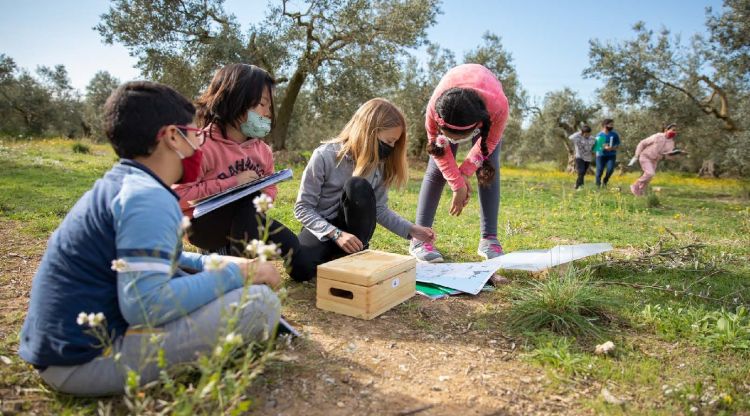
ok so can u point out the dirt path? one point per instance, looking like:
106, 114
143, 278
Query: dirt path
424, 357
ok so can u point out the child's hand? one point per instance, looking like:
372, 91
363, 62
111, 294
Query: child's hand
261, 273
246, 176
349, 243
459, 201
422, 233
266, 274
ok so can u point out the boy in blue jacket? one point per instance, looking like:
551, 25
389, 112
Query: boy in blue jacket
116, 263
605, 147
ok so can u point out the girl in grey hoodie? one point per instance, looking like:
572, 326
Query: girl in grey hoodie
344, 188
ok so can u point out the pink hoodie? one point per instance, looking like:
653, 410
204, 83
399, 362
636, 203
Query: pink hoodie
483, 81
223, 159
654, 147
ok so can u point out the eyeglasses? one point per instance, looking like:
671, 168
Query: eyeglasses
198, 133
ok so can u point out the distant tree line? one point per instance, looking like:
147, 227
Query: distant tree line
330, 56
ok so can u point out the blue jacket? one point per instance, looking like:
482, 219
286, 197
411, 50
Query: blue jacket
611, 139
131, 215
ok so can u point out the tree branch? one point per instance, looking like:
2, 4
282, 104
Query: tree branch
721, 114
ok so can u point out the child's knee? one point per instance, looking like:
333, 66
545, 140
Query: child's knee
262, 307
359, 190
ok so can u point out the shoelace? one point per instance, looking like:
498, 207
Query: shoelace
427, 246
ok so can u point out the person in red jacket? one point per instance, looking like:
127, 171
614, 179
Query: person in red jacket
468, 106
235, 113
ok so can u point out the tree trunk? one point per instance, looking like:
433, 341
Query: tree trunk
571, 168
708, 169
286, 109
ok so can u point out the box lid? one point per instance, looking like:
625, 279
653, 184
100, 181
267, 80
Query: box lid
366, 267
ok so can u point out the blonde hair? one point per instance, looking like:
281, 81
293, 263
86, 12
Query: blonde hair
359, 140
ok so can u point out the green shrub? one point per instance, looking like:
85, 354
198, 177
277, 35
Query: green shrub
724, 329
558, 354
652, 201
81, 148
714, 329
566, 304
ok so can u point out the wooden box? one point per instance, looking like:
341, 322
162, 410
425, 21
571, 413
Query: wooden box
366, 284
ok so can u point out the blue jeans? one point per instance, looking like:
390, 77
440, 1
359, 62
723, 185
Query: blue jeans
601, 162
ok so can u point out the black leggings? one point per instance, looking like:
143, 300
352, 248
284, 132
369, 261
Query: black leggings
235, 224
357, 215
581, 167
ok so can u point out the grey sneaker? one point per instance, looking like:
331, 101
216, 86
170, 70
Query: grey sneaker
425, 252
489, 248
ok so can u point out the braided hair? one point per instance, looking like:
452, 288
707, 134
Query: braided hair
464, 107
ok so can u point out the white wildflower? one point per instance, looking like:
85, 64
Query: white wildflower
92, 319
218, 350
252, 247
119, 265
262, 251
605, 348
233, 338
214, 262
185, 224
262, 203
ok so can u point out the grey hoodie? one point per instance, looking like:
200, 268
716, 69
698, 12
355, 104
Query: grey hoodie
320, 191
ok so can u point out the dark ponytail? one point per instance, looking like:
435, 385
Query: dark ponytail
464, 107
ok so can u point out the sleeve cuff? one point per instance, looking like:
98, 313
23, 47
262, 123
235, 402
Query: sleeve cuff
467, 169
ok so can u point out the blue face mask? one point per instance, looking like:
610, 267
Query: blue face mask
256, 125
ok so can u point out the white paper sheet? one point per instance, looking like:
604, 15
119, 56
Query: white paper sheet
471, 277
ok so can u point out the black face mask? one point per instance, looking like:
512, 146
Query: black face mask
384, 150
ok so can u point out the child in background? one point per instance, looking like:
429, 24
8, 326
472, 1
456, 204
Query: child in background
649, 152
117, 256
344, 188
605, 147
235, 112
583, 144
468, 105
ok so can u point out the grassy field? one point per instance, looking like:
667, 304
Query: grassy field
676, 285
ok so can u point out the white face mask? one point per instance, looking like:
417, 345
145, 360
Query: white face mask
256, 125
445, 139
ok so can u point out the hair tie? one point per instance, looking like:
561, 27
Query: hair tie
443, 123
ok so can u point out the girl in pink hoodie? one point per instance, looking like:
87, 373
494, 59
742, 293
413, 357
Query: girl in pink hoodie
468, 106
235, 112
649, 152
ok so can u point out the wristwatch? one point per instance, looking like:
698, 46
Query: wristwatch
336, 234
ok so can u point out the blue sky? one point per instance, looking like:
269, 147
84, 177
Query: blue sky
548, 39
